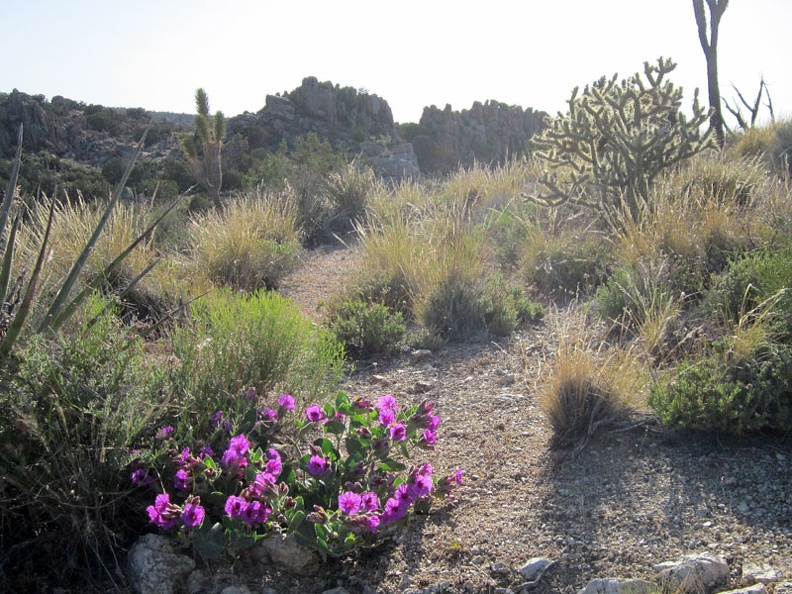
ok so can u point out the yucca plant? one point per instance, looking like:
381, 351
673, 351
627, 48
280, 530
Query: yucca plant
63, 305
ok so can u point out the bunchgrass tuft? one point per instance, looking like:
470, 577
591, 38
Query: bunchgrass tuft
251, 244
588, 386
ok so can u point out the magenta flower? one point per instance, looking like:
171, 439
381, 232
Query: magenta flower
369, 501
140, 477
421, 485
262, 482
164, 433
162, 513
182, 480
318, 466
395, 510
457, 478
387, 417
349, 503
193, 515
235, 506
314, 414
270, 415
433, 422
255, 513
387, 402
373, 522
429, 437
274, 463
398, 432
237, 448
286, 401
216, 420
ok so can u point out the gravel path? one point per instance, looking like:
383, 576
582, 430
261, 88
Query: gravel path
632, 498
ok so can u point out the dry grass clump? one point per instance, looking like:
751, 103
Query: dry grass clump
73, 224
251, 244
589, 386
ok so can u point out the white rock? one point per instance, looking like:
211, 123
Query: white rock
694, 574
619, 586
533, 567
763, 574
154, 566
285, 553
755, 589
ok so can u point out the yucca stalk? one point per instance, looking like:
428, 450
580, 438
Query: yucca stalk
54, 311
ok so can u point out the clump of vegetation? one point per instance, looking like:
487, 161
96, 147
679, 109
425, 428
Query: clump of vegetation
590, 386
367, 328
252, 243
234, 341
615, 140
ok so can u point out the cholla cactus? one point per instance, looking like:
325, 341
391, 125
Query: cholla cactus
616, 138
203, 149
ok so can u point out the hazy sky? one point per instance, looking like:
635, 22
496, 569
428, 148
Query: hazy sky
155, 53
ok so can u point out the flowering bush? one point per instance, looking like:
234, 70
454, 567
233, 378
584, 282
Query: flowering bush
335, 476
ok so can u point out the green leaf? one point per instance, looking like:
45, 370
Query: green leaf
342, 403
391, 465
296, 520
326, 446
210, 541
8, 257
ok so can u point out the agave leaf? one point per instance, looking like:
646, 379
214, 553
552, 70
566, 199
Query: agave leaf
67, 312
8, 256
24, 309
5, 206
126, 290
57, 303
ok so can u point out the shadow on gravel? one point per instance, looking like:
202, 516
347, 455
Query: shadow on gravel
641, 497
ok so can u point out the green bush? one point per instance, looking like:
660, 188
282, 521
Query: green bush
232, 342
566, 264
721, 392
751, 281
72, 408
368, 328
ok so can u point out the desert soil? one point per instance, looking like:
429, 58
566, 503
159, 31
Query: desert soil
635, 496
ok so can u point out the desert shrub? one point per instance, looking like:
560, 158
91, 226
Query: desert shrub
349, 190
367, 328
729, 392
565, 263
231, 342
781, 149
506, 306
449, 301
72, 408
754, 280
689, 223
754, 143
305, 169
588, 386
252, 243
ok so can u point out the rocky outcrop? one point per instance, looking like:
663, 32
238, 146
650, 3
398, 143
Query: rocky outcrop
343, 116
489, 133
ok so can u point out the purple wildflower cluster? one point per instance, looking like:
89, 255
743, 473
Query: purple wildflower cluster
362, 494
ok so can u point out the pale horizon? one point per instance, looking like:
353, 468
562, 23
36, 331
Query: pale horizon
412, 54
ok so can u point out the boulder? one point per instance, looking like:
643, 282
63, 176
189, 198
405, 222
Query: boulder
693, 574
619, 586
155, 567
